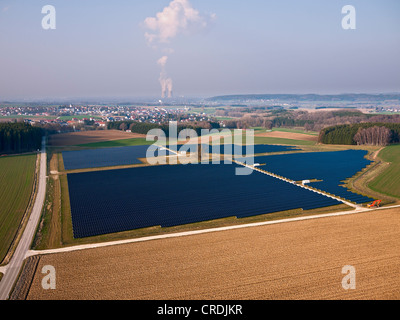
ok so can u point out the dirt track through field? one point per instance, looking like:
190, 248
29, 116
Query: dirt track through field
83, 137
288, 135
294, 260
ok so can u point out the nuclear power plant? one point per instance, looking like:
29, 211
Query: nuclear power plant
165, 81
166, 87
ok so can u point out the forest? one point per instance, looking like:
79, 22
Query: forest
19, 137
380, 134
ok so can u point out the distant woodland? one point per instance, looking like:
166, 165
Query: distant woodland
350, 127
144, 127
274, 117
347, 126
19, 137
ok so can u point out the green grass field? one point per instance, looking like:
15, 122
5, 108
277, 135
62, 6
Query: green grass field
261, 130
80, 117
311, 133
16, 183
388, 182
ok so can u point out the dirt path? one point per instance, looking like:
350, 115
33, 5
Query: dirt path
376, 153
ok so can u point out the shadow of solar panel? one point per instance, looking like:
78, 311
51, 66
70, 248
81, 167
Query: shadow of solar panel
331, 167
119, 200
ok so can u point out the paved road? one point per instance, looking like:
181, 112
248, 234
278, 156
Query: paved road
14, 267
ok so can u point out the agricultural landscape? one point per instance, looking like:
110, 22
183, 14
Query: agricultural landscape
102, 190
197, 154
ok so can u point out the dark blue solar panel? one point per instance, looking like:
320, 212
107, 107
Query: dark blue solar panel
105, 157
258, 148
331, 167
229, 149
118, 200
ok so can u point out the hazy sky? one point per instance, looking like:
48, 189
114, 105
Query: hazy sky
212, 47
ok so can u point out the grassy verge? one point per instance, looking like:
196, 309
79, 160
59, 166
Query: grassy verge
50, 223
16, 183
388, 181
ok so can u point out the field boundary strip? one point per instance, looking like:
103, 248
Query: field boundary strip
195, 232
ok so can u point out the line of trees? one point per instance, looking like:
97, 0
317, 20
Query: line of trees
361, 134
310, 121
145, 127
376, 136
19, 137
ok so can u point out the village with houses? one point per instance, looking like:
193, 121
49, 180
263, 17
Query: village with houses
74, 117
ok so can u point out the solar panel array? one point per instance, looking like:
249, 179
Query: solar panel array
107, 157
117, 156
229, 149
331, 167
125, 199
257, 148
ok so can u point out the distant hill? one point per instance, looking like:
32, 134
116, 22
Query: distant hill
308, 97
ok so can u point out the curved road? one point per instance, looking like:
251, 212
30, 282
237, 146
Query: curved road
13, 268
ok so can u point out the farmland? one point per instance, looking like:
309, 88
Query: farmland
89, 137
103, 203
262, 139
16, 185
293, 135
388, 182
293, 260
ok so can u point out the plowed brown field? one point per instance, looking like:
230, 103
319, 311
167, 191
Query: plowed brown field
294, 260
74, 138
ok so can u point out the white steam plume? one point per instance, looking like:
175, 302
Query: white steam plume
179, 17
165, 81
